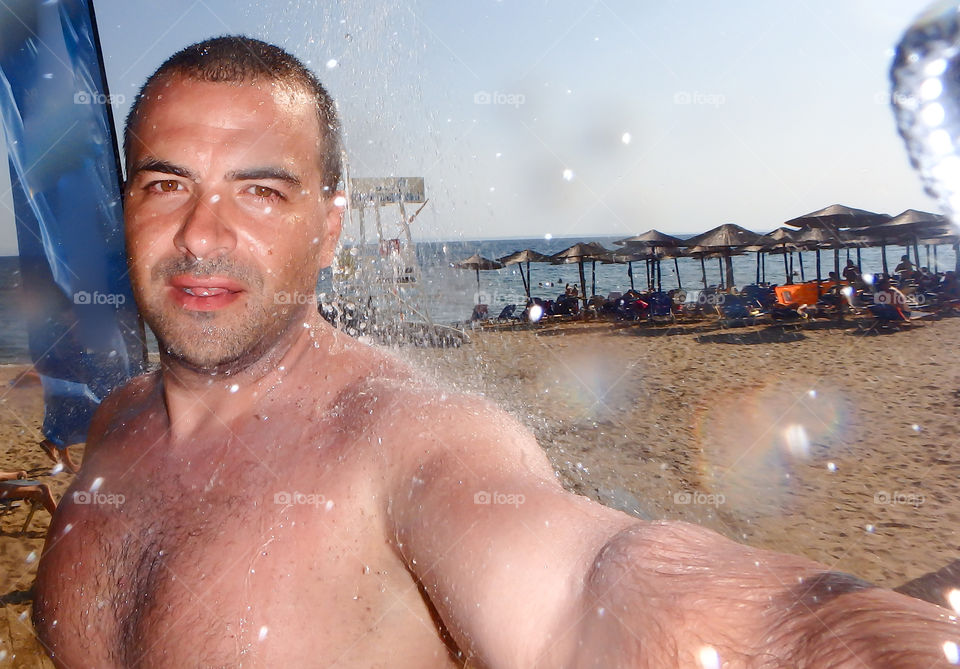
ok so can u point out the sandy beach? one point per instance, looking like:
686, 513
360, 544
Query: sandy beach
818, 440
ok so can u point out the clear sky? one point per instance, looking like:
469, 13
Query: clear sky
530, 117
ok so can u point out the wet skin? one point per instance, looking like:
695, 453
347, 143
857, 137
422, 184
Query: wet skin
195, 552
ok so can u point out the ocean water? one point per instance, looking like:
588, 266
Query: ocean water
449, 294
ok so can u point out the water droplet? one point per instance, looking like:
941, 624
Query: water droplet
97, 482
951, 652
332, 63
31, 557
953, 599
263, 633
214, 198
832, 466
235, 387
568, 175
626, 138
709, 658
870, 528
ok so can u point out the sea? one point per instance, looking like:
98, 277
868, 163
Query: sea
447, 294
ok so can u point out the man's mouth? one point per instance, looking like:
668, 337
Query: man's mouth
204, 293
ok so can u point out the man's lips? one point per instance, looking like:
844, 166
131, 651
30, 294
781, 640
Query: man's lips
204, 293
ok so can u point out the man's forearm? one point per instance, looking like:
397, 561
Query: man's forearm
672, 594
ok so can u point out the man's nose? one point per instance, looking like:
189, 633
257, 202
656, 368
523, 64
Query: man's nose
205, 231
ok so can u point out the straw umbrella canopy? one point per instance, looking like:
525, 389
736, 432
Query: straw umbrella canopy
782, 240
724, 239
703, 253
838, 216
817, 238
905, 228
653, 241
478, 262
621, 257
526, 256
579, 253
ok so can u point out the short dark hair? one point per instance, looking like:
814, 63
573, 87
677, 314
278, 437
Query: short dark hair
237, 59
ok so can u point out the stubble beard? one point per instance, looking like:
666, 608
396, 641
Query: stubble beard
214, 341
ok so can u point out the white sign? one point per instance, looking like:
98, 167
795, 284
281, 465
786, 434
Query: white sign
388, 190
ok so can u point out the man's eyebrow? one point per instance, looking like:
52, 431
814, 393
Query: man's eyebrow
255, 173
155, 165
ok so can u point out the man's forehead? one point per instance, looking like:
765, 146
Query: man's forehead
285, 96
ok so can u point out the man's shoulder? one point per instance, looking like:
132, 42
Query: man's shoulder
123, 402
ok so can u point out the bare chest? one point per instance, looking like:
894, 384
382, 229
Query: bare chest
240, 564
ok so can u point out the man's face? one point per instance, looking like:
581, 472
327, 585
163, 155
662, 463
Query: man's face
227, 222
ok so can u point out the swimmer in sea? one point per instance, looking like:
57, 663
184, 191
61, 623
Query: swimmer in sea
286, 496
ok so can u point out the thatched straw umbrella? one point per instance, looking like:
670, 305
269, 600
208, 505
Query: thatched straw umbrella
526, 256
654, 242
837, 217
724, 239
579, 253
477, 262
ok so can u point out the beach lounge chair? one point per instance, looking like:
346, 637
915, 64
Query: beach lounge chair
739, 310
660, 307
10, 500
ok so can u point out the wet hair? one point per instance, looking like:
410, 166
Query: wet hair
235, 59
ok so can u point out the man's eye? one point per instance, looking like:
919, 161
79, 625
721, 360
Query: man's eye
264, 192
166, 186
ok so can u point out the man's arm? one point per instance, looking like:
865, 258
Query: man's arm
525, 574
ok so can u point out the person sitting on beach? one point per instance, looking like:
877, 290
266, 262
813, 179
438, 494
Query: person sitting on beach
851, 273
889, 302
295, 497
904, 268
950, 286
15, 485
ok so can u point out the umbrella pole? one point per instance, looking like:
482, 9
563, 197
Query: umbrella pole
728, 259
786, 270
583, 284
720, 270
526, 280
758, 268
478, 286
836, 261
630, 273
646, 264
800, 260
818, 273
676, 265
593, 278
956, 254
763, 265
926, 250
936, 267
916, 252
703, 268
883, 255
859, 264
659, 277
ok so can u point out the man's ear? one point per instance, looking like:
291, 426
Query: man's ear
333, 223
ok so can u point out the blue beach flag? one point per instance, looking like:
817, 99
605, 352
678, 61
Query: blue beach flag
82, 323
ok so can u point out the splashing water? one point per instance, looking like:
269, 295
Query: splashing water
926, 101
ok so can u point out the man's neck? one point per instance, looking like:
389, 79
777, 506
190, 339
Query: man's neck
195, 396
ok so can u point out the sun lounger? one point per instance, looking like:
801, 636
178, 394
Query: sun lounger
10, 500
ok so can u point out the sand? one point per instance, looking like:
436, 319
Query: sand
820, 440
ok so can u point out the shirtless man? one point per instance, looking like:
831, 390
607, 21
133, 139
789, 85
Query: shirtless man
294, 498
